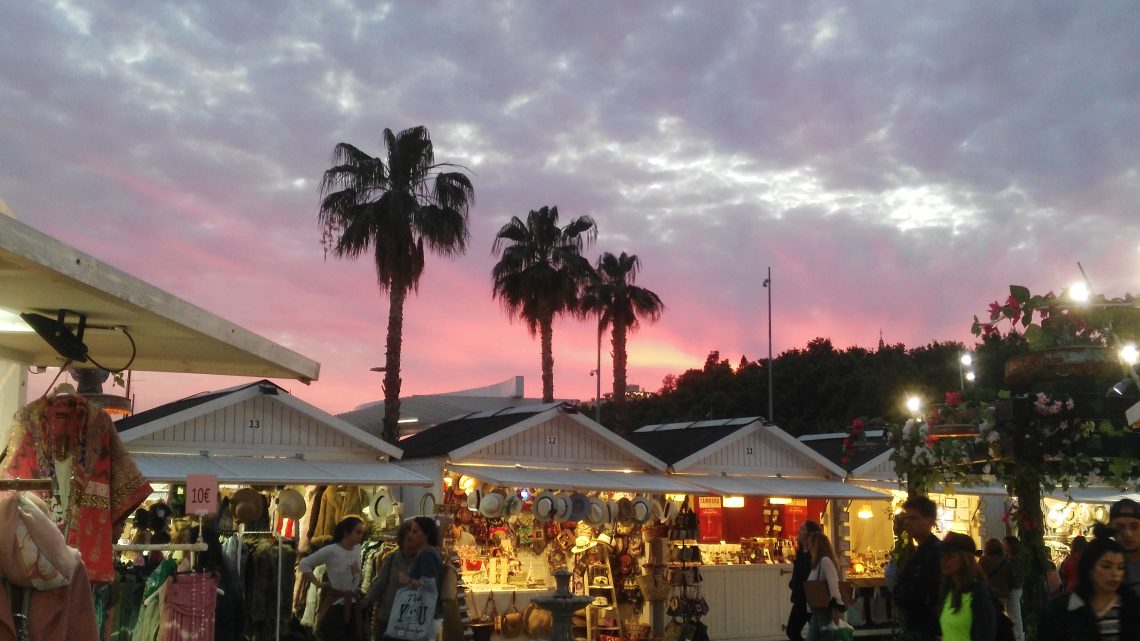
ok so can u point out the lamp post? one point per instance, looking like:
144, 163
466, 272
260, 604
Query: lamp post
965, 369
768, 286
598, 375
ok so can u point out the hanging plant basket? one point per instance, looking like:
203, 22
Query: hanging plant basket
1060, 363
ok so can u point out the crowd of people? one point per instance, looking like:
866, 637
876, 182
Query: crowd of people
945, 590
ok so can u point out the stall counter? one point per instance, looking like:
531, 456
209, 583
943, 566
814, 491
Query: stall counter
747, 601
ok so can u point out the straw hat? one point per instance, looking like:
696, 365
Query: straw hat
579, 506
600, 601
381, 506
491, 506
473, 499
605, 539
513, 505
290, 504
612, 516
671, 511
642, 510
598, 514
247, 505
583, 543
561, 507
658, 511
543, 506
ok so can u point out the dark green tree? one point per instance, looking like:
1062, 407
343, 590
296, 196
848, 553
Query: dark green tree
398, 208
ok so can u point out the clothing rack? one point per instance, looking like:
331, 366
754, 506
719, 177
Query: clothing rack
26, 484
280, 569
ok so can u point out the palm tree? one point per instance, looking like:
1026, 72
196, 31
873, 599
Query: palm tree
541, 275
394, 209
620, 304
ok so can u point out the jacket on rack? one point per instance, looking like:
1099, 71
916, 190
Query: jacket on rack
66, 612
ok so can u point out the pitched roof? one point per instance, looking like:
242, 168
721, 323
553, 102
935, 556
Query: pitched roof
153, 414
831, 447
676, 441
449, 436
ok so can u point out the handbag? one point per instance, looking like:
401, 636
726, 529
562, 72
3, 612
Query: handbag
412, 612
817, 593
654, 587
512, 621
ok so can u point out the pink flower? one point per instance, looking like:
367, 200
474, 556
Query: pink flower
954, 398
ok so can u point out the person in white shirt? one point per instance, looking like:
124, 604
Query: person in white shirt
341, 585
823, 568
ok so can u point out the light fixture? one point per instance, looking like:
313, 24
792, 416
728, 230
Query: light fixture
966, 360
1079, 292
970, 376
779, 500
89, 385
733, 501
1129, 354
58, 334
865, 511
913, 404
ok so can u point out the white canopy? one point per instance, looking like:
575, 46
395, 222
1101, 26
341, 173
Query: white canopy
275, 471
633, 481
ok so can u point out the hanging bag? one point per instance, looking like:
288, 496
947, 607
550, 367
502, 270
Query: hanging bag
512, 625
412, 612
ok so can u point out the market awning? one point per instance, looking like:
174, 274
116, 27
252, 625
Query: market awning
276, 471
1099, 495
577, 479
779, 486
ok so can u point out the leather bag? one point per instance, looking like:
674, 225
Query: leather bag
819, 595
512, 621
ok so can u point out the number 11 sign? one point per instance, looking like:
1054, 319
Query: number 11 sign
201, 494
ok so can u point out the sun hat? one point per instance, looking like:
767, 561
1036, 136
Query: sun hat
561, 507
600, 601
543, 507
625, 510
513, 505
671, 511
290, 504
583, 543
957, 542
491, 506
473, 499
642, 510
604, 539
579, 506
381, 506
658, 511
612, 511
598, 513
247, 505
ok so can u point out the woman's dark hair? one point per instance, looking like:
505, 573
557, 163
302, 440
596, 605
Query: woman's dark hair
1013, 543
811, 526
993, 546
402, 532
1098, 547
345, 527
430, 529
1078, 545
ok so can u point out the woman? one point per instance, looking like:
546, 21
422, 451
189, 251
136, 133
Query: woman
999, 572
1101, 607
967, 612
423, 536
336, 616
386, 581
824, 568
1068, 569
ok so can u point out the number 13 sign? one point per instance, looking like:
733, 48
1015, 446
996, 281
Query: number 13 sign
201, 494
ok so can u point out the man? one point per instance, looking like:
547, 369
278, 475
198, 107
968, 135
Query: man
801, 568
916, 592
1125, 517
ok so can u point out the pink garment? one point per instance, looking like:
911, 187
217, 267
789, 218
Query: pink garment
188, 612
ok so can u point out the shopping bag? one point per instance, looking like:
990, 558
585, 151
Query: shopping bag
857, 611
412, 612
879, 613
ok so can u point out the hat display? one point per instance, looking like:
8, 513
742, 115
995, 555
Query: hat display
598, 514
671, 511
513, 505
625, 510
583, 543
600, 601
658, 511
543, 506
605, 539
642, 510
473, 499
612, 516
579, 506
247, 505
290, 504
957, 542
1124, 508
491, 505
381, 506
561, 507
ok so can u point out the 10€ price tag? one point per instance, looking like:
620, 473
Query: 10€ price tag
201, 494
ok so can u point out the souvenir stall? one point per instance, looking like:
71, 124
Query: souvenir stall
526, 491
1072, 514
285, 473
759, 484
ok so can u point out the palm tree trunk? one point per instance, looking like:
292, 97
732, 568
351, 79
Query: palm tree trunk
546, 330
392, 381
620, 360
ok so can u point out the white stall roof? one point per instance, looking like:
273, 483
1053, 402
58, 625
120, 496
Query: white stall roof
780, 486
1101, 495
577, 479
275, 471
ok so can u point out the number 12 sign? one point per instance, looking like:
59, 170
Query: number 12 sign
201, 494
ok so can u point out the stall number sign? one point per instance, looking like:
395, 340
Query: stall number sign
202, 494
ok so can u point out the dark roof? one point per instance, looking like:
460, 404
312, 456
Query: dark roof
439, 440
675, 444
155, 413
832, 448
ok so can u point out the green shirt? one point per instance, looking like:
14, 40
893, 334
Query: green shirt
956, 625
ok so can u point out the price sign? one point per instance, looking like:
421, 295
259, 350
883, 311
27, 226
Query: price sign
201, 494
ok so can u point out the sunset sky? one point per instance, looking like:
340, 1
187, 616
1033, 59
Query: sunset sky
896, 165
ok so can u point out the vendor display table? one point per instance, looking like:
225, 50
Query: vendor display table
747, 601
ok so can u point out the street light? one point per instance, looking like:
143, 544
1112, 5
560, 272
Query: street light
913, 405
768, 286
965, 369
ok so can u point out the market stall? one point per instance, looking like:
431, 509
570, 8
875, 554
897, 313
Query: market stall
759, 484
531, 489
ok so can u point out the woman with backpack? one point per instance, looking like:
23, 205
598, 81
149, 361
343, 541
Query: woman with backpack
1101, 607
967, 612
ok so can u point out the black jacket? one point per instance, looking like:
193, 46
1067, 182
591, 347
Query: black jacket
801, 568
916, 592
1069, 618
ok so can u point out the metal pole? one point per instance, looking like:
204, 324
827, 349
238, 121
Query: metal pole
768, 286
598, 375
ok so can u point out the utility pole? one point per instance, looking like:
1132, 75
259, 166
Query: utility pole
768, 286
